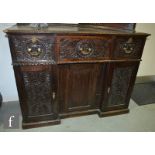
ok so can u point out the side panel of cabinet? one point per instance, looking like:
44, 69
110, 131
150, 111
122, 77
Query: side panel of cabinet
80, 86
120, 81
37, 92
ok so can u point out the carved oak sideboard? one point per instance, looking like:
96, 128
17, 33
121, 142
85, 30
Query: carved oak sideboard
72, 70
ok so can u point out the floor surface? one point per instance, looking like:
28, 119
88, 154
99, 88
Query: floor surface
140, 118
144, 93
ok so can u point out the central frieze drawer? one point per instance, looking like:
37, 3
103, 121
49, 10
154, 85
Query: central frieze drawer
83, 48
32, 48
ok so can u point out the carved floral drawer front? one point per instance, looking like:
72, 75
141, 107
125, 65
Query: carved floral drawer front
128, 47
83, 47
33, 48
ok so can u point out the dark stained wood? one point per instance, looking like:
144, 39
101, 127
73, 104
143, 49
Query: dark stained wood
113, 112
73, 70
79, 113
40, 124
119, 85
128, 47
36, 85
80, 85
83, 48
70, 29
33, 49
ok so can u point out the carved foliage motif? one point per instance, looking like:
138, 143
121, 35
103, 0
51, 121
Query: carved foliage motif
33, 49
83, 48
120, 85
128, 47
38, 89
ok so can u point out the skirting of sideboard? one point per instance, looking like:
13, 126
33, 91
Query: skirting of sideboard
112, 113
78, 113
40, 124
74, 114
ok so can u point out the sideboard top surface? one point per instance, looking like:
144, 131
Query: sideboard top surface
69, 29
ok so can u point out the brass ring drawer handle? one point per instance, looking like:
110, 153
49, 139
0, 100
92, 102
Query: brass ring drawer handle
34, 53
128, 48
85, 51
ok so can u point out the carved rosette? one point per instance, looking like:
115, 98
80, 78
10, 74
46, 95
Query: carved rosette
86, 48
32, 49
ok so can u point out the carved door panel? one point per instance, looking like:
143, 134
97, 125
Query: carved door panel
79, 86
120, 82
37, 92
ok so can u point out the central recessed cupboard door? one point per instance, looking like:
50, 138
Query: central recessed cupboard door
80, 86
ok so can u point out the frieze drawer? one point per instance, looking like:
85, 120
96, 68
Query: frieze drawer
32, 49
83, 48
128, 47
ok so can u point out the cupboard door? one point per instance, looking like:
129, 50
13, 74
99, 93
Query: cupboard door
120, 82
37, 92
79, 87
